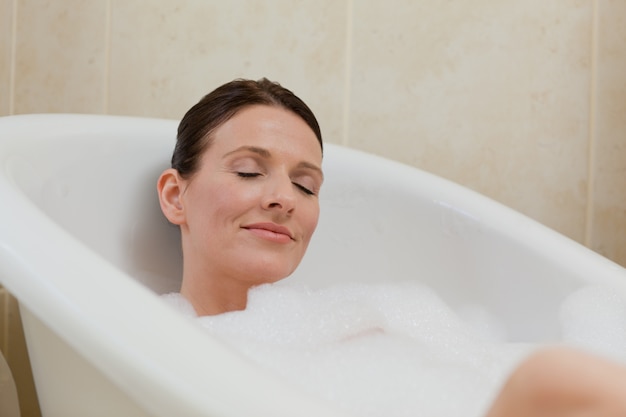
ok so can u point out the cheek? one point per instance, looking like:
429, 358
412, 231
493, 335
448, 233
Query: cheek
208, 205
311, 219
230, 199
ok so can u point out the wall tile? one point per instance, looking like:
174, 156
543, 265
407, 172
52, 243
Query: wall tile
3, 321
609, 194
6, 41
167, 54
60, 62
17, 358
493, 95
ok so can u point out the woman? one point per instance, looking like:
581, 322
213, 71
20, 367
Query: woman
243, 189
243, 186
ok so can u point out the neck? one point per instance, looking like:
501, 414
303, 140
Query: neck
211, 290
210, 297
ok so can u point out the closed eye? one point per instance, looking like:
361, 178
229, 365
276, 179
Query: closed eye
303, 189
248, 174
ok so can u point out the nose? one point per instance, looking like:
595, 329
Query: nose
280, 196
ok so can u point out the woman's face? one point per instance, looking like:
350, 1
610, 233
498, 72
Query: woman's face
250, 210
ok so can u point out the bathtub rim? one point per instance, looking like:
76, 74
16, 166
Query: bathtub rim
491, 214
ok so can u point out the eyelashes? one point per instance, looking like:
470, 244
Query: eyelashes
303, 189
250, 175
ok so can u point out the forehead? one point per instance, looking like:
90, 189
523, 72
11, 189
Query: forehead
269, 127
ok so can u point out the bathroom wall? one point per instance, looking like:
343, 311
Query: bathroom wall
607, 156
523, 101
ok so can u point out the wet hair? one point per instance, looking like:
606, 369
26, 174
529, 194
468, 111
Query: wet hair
216, 108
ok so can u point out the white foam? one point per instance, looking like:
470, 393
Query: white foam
483, 322
179, 303
373, 349
398, 350
594, 318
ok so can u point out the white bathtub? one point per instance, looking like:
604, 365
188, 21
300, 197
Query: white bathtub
85, 249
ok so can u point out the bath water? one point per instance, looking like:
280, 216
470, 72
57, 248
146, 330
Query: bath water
393, 350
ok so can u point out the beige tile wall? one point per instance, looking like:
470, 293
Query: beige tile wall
494, 95
165, 55
607, 224
6, 49
523, 101
13, 347
60, 56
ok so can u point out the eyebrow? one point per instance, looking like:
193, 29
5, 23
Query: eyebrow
255, 149
267, 154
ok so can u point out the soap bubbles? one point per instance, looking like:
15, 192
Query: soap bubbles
372, 349
396, 349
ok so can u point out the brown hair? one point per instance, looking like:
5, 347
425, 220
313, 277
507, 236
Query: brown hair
217, 107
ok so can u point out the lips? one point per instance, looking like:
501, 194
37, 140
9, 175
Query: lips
270, 231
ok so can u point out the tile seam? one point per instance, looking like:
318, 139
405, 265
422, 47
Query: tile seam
107, 59
5, 321
345, 140
13, 58
591, 146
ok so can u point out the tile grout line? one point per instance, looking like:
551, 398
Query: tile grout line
347, 75
591, 146
107, 58
13, 64
5, 321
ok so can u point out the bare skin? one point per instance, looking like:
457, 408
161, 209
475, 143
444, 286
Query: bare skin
561, 382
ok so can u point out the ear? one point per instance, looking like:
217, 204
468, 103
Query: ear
170, 187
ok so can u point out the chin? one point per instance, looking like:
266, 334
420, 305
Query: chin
264, 268
274, 276
268, 275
